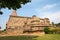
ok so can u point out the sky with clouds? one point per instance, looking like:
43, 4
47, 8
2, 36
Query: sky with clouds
41, 8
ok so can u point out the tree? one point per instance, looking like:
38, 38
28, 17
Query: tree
57, 25
52, 23
12, 4
0, 27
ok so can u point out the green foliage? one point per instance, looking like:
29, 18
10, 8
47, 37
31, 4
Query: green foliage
14, 4
2, 31
55, 30
1, 12
0, 27
57, 25
46, 30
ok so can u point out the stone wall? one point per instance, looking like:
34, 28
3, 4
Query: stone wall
19, 24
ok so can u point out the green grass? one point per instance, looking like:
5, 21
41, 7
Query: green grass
49, 37
44, 37
18, 38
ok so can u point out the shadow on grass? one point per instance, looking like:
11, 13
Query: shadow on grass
19, 38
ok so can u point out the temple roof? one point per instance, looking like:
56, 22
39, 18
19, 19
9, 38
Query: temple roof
14, 13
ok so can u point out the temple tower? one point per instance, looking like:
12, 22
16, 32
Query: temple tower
14, 13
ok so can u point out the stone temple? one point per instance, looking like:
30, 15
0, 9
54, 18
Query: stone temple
20, 24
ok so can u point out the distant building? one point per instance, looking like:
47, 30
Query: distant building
20, 24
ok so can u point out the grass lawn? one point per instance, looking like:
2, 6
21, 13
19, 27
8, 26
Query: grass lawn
49, 37
44, 37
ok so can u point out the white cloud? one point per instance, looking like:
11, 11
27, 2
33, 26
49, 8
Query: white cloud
53, 16
49, 6
46, 7
36, 1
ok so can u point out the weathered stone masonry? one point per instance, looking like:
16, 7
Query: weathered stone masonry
19, 24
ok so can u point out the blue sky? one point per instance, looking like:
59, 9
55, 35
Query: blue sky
40, 8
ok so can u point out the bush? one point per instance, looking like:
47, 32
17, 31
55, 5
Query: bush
46, 30
55, 31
